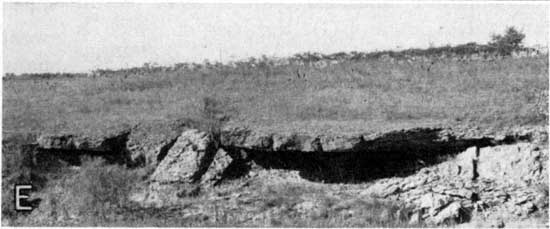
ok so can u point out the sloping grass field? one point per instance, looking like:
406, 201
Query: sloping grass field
363, 95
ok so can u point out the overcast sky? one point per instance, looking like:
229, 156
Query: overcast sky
72, 37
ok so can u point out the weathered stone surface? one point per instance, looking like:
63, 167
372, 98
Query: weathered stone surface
452, 213
103, 143
243, 137
57, 142
193, 156
433, 202
70, 148
215, 171
508, 177
459, 193
252, 139
234, 136
340, 143
149, 142
383, 188
523, 162
188, 158
266, 139
478, 179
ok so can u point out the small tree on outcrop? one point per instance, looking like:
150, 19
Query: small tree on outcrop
509, 42
213, 115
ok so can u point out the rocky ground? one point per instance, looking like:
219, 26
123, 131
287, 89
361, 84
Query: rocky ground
250, 176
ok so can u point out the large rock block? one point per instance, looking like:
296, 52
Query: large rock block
433, 202
450, 214
69, 147
522, 162
255, 139
504, 179
188, 159
217, 168
149, 142
194, 162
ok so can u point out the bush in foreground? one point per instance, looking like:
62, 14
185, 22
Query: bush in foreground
88, 195
18, 167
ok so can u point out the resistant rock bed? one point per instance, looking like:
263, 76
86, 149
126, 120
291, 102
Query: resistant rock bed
446, 177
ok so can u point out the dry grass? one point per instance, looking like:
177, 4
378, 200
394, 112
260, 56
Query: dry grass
92, 194
96, 195
489, 93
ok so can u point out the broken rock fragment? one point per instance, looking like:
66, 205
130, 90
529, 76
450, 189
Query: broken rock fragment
149, 142
176, 176
452, 213
188, 159
216, 170
433, 202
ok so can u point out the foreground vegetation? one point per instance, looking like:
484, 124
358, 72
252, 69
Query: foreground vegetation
97, 194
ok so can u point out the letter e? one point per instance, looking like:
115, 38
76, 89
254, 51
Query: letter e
19, 197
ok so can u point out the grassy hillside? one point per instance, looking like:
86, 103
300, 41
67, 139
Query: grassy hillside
370, 94
349, 96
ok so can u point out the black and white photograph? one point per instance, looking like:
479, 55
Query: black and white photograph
316, 114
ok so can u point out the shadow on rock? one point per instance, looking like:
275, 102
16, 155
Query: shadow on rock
396, 154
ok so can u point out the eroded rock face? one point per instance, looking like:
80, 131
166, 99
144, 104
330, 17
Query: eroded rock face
261, 140
188, 159
70, 148
148, 143
192, 163
478, 180
502, 179
453, 213
145, 144
520, 163
106, 143
221, 162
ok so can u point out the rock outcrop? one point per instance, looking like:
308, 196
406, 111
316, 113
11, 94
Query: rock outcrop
445, 176
188, 159
480, 180
70, 147
193, 162
148, 143
258, 139
219, 166
105, 143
